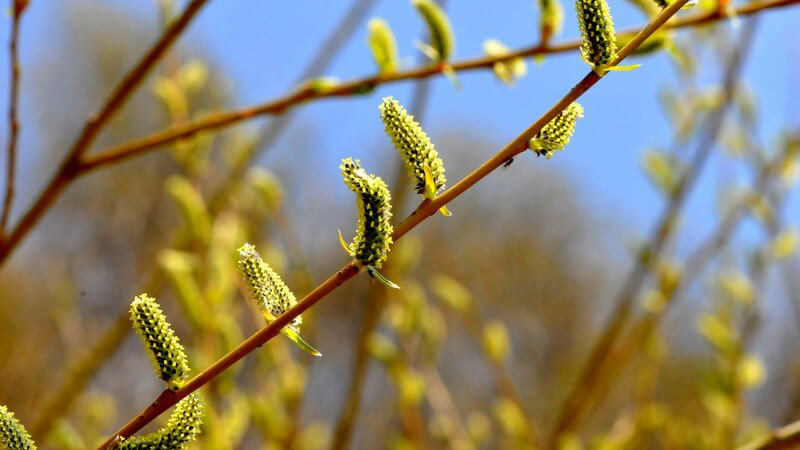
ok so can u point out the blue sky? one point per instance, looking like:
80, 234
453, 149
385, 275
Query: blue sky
264, 45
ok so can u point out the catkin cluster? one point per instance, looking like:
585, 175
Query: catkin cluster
266, 286
182, 427
374, 233
413, 144
13, 435
162, 345
599, 46
556, 134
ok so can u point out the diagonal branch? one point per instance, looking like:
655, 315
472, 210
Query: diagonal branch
70, 167
426, 209
13, 100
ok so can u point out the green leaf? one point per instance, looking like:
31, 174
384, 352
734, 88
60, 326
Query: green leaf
377, 275
297, 339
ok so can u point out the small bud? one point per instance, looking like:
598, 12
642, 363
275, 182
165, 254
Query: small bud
13, 435
165, 350
381, 42
551, 18
183, 426
270, 293
374, 233
599, 46
414, 146
496, 342
556, 134
506, 71
192, 206
439, 30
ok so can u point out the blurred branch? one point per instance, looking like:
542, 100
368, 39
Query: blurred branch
13, 100
426, 209
307, 92
71, 166
579, 397
80, 374
783, 438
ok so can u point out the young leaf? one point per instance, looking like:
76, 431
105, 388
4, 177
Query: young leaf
442, 42
382, 44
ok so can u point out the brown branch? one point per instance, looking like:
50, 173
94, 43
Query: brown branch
426, 209
69, 169
307, 93
13, 100
783, 438
579, 397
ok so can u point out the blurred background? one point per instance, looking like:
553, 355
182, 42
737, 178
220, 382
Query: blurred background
674, 197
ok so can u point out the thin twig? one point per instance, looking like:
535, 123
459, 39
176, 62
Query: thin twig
308, 93
579, 397
70, 167
13, 100
426, 209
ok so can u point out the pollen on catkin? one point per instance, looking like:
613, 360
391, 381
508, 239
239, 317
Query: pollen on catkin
414, 146
266, 286
13, 434
556, 134
599, 46
374, 233
162, 345
183, 426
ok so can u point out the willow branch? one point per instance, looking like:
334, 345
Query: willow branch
13, 100
783, 438
69, 169
579, 397
357, 86
426, 209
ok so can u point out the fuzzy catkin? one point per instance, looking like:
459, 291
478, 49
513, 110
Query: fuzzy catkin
374, 233
162, 345
266, 286
13, 435
182, 428
413, 144
556, 134
599, 46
